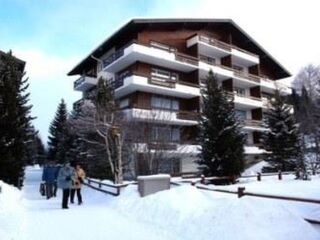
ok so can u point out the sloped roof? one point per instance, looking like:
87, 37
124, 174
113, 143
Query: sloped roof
97, 52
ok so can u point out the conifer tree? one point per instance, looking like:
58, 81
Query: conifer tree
15, 119
222, 152
282, 141
59, 138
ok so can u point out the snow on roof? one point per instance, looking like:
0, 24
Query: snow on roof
156, 176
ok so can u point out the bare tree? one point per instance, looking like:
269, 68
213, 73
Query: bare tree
103, 120
309, 78
306, 103
154, 143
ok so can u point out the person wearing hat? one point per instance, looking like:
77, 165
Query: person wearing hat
65, 179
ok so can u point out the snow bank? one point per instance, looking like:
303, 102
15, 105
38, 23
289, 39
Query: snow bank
11, 211
195, 214
255, 168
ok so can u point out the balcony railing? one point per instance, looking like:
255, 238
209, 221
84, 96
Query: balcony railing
248, 76
188, 115
163, 82
214, 42
252, 123
223, 45
232, 94
178, 56
113, 57
156, 80
186, 59
79, 81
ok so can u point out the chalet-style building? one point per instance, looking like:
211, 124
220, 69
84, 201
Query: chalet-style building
157, 65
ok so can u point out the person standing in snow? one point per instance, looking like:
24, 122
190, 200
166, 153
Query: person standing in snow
76, 187
65, 177
49, 176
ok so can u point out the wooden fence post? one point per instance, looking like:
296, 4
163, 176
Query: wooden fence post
241, 191
203, 179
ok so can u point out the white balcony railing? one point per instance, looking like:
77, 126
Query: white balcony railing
84, 83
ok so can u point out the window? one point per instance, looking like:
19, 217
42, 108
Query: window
124, 103
168, 165
241, 115
240, 91
164, 103
175, 135
174, 104
165, 134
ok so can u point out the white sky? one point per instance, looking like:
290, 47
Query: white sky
288, 30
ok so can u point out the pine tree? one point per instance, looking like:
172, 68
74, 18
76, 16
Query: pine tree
282, 141
15, 119
59, 139
41, 153
222, 152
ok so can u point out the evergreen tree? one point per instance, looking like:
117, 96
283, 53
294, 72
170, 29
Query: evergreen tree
15, 119
59, 138
282, 141
222, 152
41, 153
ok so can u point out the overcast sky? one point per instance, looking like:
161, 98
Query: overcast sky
54, 35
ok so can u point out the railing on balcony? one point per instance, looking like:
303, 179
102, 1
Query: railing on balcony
164, 47
232, 94
186, 59
163, 82
163, 146
252, 123
214, 42
188, 115
223, 45
244, 51
118, 81
113, 57
79, 81
246, 75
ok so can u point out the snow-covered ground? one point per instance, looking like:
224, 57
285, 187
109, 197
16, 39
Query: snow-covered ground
184, 212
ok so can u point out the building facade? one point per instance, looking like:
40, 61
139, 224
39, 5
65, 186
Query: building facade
157, 67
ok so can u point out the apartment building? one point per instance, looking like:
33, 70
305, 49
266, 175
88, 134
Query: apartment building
157, 67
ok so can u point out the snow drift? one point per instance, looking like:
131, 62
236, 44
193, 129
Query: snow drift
195, 214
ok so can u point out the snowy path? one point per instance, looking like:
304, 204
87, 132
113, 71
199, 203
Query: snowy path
44, 219
181, 213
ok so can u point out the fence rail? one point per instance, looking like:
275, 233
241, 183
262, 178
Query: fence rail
100, 186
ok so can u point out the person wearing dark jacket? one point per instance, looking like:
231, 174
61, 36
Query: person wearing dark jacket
49, 176
65, 178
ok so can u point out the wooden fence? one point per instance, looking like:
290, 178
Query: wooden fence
111, 189
241, 192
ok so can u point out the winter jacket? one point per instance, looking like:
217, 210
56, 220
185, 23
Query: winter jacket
65, 177
49, 174
79, 173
